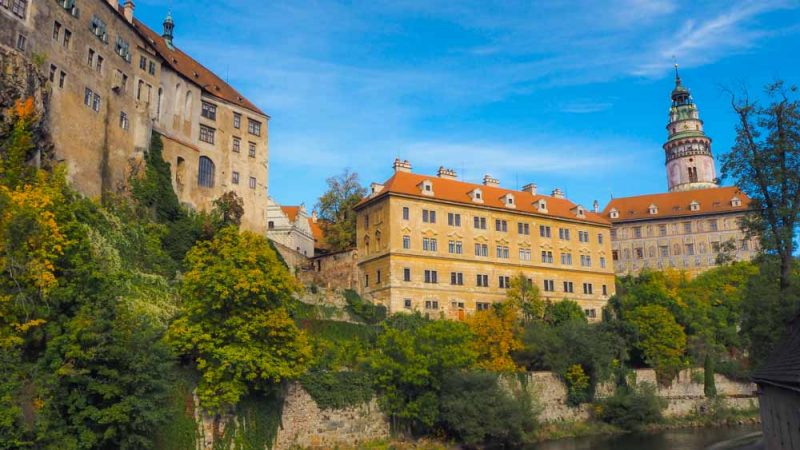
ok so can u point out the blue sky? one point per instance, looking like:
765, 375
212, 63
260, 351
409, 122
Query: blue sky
564, 94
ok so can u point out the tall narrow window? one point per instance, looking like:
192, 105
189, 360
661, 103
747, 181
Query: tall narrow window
123, 120
56, 30
254, 127
251, 149
19, 8
205, 176
237, 120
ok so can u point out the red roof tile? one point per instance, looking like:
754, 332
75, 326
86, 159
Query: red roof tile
291, 212
677, 204
449, 190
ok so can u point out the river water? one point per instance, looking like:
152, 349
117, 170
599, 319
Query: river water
720, 438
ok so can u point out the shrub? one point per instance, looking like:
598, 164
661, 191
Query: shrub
577, 385
368, 312
631, 408
474, 409
333, 390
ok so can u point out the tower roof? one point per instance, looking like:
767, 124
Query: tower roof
681, 93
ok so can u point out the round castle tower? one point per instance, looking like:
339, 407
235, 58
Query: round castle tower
690, 164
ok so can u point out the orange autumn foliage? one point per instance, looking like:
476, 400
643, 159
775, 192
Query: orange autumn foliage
496, 334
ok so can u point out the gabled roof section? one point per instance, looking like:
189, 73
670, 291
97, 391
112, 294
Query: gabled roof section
405, 183
677, 204
194, 71
291, 212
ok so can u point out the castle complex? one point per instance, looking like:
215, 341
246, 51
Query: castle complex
114, 81
442, 246
692, 225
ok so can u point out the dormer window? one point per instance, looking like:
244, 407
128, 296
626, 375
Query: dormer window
508, 200
694, 206
614, 213
541, 205
580, 212
653, 209
736, 202
476, 195
426, 187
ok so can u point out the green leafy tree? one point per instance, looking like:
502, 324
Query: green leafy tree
475, 410
228, 209
153, 189
412, 359
17, 145
562, 312
337, 217
765, 163
661, 339
234, 323
526, 296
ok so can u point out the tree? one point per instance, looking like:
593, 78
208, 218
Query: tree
337, 217
765, 164
228, 209
564, 311
234, 323
412, 359
661, 339
497, 334
526, 296
17, 147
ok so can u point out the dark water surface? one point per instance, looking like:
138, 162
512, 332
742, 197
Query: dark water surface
683, 439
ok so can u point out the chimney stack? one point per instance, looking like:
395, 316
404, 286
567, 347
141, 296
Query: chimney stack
449, 174
530, 188
401, 166
128, 10
558, 193
489, 180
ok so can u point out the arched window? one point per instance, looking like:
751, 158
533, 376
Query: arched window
178, 98
271, 225
187, 107
180, 171
205, 175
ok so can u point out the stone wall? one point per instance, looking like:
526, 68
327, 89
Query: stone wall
335, 271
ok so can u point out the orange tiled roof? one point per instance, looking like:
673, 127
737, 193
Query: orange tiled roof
677, 204
291, 212
449, 190
319, 235
194, 71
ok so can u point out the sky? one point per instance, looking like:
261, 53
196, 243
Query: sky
563, 94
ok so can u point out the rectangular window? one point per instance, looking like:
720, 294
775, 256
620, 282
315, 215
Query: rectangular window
61, 79
428, 216
524, 254
237, 145
586, 261
406, 242
67, 38
481, 250
123, 120
587, 288
406, 213
687, 227
209, 111
207, 134
252, 182
254, 127
406, 274
568, 288
483, 280
639, 252
500, 225
583, 236
96, 102
251, 149
431, 304
504, 282
235, 178
599, 238
431, 277
481, 306
602, 262
123, 49
407, 303
429, 244
615, 255
662, 230
454, 220
549, 285
98, 28
566, 259
664, 250
366, 280
502, 252
88, 95
142, 62
523, 228
544, 231
19, 8
378, 277
745, 246
713, 225
237, 120
563, 234
56, 30
613, 234
690, 249
456, 247
479, 223
547, 257
99, 65
21, 40
53, 69
605, 290
456, 278
637, 232
152, 69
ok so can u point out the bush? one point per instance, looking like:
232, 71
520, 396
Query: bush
631, 408
577, 385
334, 390
368, 312
474, 409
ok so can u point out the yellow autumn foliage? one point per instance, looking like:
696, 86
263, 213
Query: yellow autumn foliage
497, 333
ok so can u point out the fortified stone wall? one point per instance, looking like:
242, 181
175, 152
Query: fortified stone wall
335, 271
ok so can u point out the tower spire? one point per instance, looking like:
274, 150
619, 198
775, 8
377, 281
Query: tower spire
169, 28
677, 76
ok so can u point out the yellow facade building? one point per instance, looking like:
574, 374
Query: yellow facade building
448, 248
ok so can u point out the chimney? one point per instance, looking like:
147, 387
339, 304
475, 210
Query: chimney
401, 166
558, 193
488, 180
530, 188
128, 10
449, 174
596, 207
